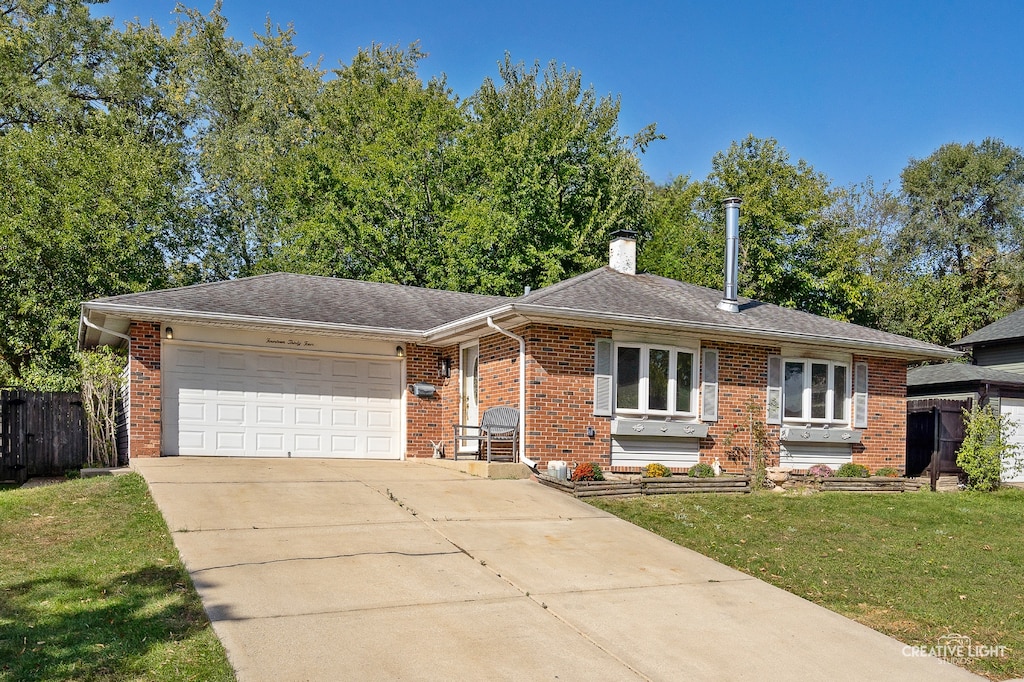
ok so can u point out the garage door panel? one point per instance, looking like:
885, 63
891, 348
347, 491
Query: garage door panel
345, 368
231, 441
379, 419
308, 416
191, 358
270, 364
344, 418
309, 366
258, 403
231, 414
380, 370
270, 444
192, 412
344, 446
194, 440
231, 361
269, 414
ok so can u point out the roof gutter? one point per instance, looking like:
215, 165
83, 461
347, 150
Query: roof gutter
606, 319
160, 315
522, 392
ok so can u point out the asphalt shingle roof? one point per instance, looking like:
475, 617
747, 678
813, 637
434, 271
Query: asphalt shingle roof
644, 298
607, 291
307, 298
1005, 329
960, 373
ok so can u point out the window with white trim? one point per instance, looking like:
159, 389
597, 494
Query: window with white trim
655, 379
816, 391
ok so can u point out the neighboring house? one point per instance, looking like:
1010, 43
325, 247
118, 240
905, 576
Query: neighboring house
995, 377
614, 367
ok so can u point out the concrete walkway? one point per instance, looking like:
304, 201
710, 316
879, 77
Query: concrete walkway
331, 570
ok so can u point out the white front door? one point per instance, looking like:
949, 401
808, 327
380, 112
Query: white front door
1014, 409
234, 402
470, 390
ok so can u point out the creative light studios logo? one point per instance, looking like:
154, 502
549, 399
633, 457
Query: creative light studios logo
956, 648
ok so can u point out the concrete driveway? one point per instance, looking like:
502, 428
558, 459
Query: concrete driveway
332, 570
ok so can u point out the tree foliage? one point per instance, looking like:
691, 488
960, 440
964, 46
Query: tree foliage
91, 166
132, 160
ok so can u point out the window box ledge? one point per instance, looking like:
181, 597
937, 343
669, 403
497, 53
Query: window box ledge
658, 428
819, 434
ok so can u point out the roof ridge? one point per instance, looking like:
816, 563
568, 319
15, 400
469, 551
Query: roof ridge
544, 292
197, 285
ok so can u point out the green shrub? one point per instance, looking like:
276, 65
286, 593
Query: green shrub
701, 470
986, 448
588, 471
655, 470
889, 472
851, 470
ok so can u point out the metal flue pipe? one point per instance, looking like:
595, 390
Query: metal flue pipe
730, 302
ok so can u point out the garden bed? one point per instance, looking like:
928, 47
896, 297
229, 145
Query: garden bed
874, 484
636, 486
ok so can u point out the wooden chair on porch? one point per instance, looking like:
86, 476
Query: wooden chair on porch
498, 425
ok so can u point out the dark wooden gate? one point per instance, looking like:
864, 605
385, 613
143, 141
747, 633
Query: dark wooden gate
41, 434
935, 431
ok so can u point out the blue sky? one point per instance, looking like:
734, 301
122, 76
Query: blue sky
854, 88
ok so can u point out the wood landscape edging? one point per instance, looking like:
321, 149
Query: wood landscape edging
648, 486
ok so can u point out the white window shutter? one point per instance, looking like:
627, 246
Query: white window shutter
709, 389
774, 409
860, 396
603, 378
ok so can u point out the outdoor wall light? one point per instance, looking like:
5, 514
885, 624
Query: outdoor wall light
444, 367
399, 352
591, 432
169, 333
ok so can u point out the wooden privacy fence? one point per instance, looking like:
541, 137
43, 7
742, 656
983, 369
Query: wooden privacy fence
41, 434
935, 431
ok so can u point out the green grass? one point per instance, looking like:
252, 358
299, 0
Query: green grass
91, 588
915, 566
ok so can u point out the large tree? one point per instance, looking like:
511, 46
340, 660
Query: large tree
92, 172
955, 261
250, 108
555, 178
797, 247
369, 197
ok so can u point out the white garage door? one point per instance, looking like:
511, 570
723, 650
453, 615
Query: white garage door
267, 404
1014, 409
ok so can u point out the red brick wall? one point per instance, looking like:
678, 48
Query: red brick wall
560, 399
884, 441
144, 390
430, 419
742, 386
560, 396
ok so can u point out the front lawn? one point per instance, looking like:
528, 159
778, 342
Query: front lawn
915, 566
91, 588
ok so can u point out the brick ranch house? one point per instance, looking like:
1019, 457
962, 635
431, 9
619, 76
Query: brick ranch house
610, 366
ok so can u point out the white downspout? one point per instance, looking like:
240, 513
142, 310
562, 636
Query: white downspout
522, 392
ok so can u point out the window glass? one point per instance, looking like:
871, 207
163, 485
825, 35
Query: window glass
839, 393
657, 379
684, 381
793, 396
819, 390
627, 388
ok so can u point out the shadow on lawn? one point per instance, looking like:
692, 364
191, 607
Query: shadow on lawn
64, 627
